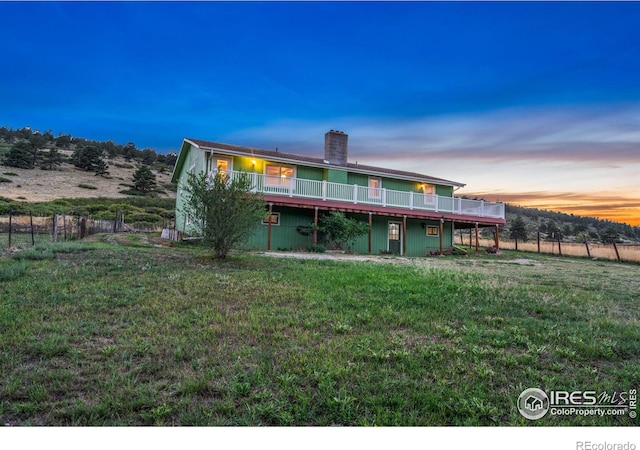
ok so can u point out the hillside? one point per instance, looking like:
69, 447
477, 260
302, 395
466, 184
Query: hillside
35, 185
570, 227
25, 154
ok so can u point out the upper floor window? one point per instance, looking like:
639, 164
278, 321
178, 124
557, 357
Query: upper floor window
217, 163
375, 187
277, 175
428, 189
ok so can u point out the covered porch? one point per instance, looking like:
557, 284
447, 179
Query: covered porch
406, 233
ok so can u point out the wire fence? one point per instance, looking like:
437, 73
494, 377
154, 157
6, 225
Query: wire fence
613, 251
23, 230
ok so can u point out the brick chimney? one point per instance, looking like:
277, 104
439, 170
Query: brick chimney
335, 147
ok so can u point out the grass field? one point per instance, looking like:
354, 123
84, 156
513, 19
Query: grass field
122, 332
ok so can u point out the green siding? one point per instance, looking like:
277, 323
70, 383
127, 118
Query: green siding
195, 159
245, 164
285, 235
445, 191
357, 178
310, 173
400, 185
336, 176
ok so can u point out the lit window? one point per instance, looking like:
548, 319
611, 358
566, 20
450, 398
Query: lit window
279, 175
432, 230
375, 185
428, 188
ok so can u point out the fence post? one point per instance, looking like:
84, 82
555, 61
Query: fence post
559, 246
82, 228
64, 225
10, 220
615, 247
586, 244
538, 242
33, 242
115, 223
55, 228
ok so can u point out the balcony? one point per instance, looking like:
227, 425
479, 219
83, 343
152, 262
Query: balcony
364, 195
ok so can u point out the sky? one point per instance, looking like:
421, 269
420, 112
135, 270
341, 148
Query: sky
531, 103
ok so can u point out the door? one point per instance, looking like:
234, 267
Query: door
219, 163
395, 238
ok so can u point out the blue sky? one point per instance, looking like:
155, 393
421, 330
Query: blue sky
534, 103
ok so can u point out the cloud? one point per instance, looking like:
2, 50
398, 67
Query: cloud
560, 158
593, 134
614, 206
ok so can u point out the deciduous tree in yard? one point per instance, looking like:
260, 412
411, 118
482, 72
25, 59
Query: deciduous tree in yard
224, 209
342, 231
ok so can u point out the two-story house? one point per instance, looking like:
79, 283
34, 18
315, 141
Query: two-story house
408, 213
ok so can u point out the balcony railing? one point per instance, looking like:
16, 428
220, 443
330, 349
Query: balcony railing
354, 194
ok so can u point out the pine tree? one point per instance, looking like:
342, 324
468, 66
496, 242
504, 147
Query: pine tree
90, 159
518, 230
51, 159
19, 156
143, 179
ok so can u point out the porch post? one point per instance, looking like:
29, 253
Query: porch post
315, 227
370, 231
404, 235
477, 243
269, 227
497, 237
441, 233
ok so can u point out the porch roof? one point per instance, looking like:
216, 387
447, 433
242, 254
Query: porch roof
464, 220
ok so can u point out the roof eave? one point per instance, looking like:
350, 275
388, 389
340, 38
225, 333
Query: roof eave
322, 165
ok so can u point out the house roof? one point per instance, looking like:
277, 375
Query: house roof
277, 156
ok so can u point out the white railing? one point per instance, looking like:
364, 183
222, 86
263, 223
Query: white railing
351, 193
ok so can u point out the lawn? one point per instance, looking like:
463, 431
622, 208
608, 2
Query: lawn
122, 332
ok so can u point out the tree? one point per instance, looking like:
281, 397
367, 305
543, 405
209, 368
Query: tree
90, 159
51, 159
223, 209
553, 231
25, 153
143, 179
63, 140
342, 231
101, 168
19, 156
518, 230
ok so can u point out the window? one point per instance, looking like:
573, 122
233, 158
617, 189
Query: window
394, 231
274, 218
432, 230
219, 163
428, 189
279, 175
375, 187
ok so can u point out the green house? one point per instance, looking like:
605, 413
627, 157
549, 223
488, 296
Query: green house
408, 213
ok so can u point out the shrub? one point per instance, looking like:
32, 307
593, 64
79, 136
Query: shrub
86, 186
